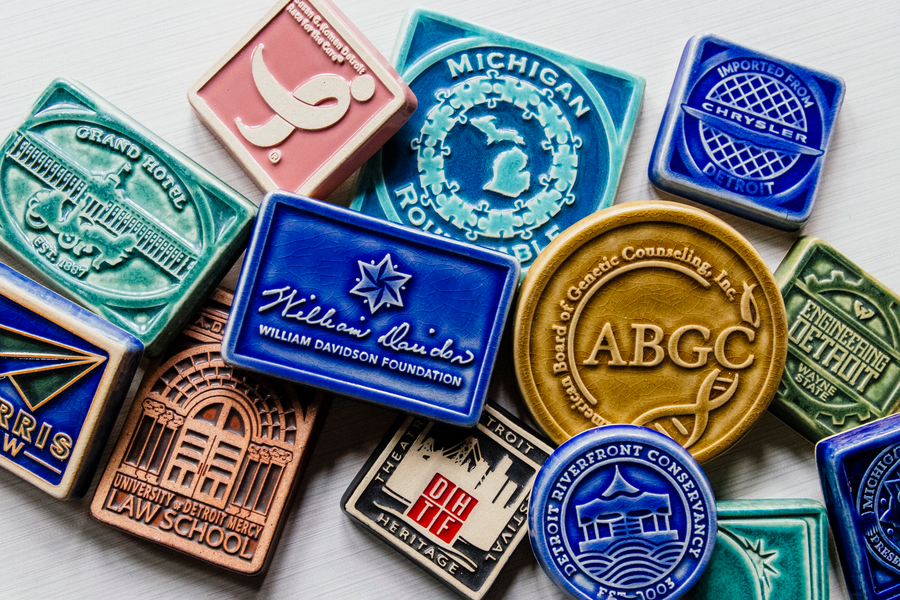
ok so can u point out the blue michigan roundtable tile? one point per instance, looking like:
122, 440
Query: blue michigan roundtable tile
511, 143
860, 474
63, 375
767, 550
746, 132
370, 309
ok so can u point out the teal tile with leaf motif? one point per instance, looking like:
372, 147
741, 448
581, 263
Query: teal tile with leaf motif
767, 550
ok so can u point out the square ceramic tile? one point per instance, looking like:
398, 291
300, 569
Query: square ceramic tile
454, 501
303, 99
512, 142
746, 132
860, 479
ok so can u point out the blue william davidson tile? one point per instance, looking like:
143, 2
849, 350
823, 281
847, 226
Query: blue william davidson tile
860, 474
746, 132
363, 307
511, 143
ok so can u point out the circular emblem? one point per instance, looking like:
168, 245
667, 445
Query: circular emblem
495, 153
622, 511
878, 503
753, 126
651, 314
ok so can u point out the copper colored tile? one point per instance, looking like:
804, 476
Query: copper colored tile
210, 455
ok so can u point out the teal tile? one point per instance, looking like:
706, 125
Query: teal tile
511, 143
113, 217
767, 550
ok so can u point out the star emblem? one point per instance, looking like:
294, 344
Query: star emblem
380, 284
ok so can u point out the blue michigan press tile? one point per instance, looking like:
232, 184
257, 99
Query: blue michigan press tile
63, 374
746, 132
767, 550
622, 511
860, 474
511, 143
370, 309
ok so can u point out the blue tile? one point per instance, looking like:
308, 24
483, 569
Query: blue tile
366, 308
63, 375
622, 511
860, 474
511, 143
746, 132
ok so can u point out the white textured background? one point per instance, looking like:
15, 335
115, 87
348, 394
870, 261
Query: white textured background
143, 56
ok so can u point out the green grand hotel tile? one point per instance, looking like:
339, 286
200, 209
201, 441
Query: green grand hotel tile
767, 550
113, 217
843, 364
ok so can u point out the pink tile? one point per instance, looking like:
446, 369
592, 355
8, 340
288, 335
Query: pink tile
303, 99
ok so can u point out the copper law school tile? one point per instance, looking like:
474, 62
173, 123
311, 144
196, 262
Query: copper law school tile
210, 455
653, 314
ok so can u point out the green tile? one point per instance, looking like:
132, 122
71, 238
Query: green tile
843, 364
113, 217
767, 550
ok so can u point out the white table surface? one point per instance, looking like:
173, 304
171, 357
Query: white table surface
143, 56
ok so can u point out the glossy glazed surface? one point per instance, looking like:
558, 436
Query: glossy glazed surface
844, 343
859, 472
452, 500
767, 550
339, 300
746, 132
622, 512
653, 314
111, 216
63, 375
144, 60
304, 77
511, 143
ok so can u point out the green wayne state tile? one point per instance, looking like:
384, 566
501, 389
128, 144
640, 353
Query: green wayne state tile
767, 550
843, 363
113, 217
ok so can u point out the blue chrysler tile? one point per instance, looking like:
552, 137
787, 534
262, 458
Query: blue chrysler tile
860, 474
746, 132
335, 299
511, 143
63, 375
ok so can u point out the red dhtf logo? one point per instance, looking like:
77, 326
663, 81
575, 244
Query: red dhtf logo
442, 508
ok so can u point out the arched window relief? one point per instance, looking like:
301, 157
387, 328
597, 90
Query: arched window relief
209, 451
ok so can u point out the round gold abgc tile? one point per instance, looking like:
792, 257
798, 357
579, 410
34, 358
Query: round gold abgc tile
653, 314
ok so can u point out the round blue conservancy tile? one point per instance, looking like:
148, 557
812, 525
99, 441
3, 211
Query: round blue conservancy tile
622, 512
